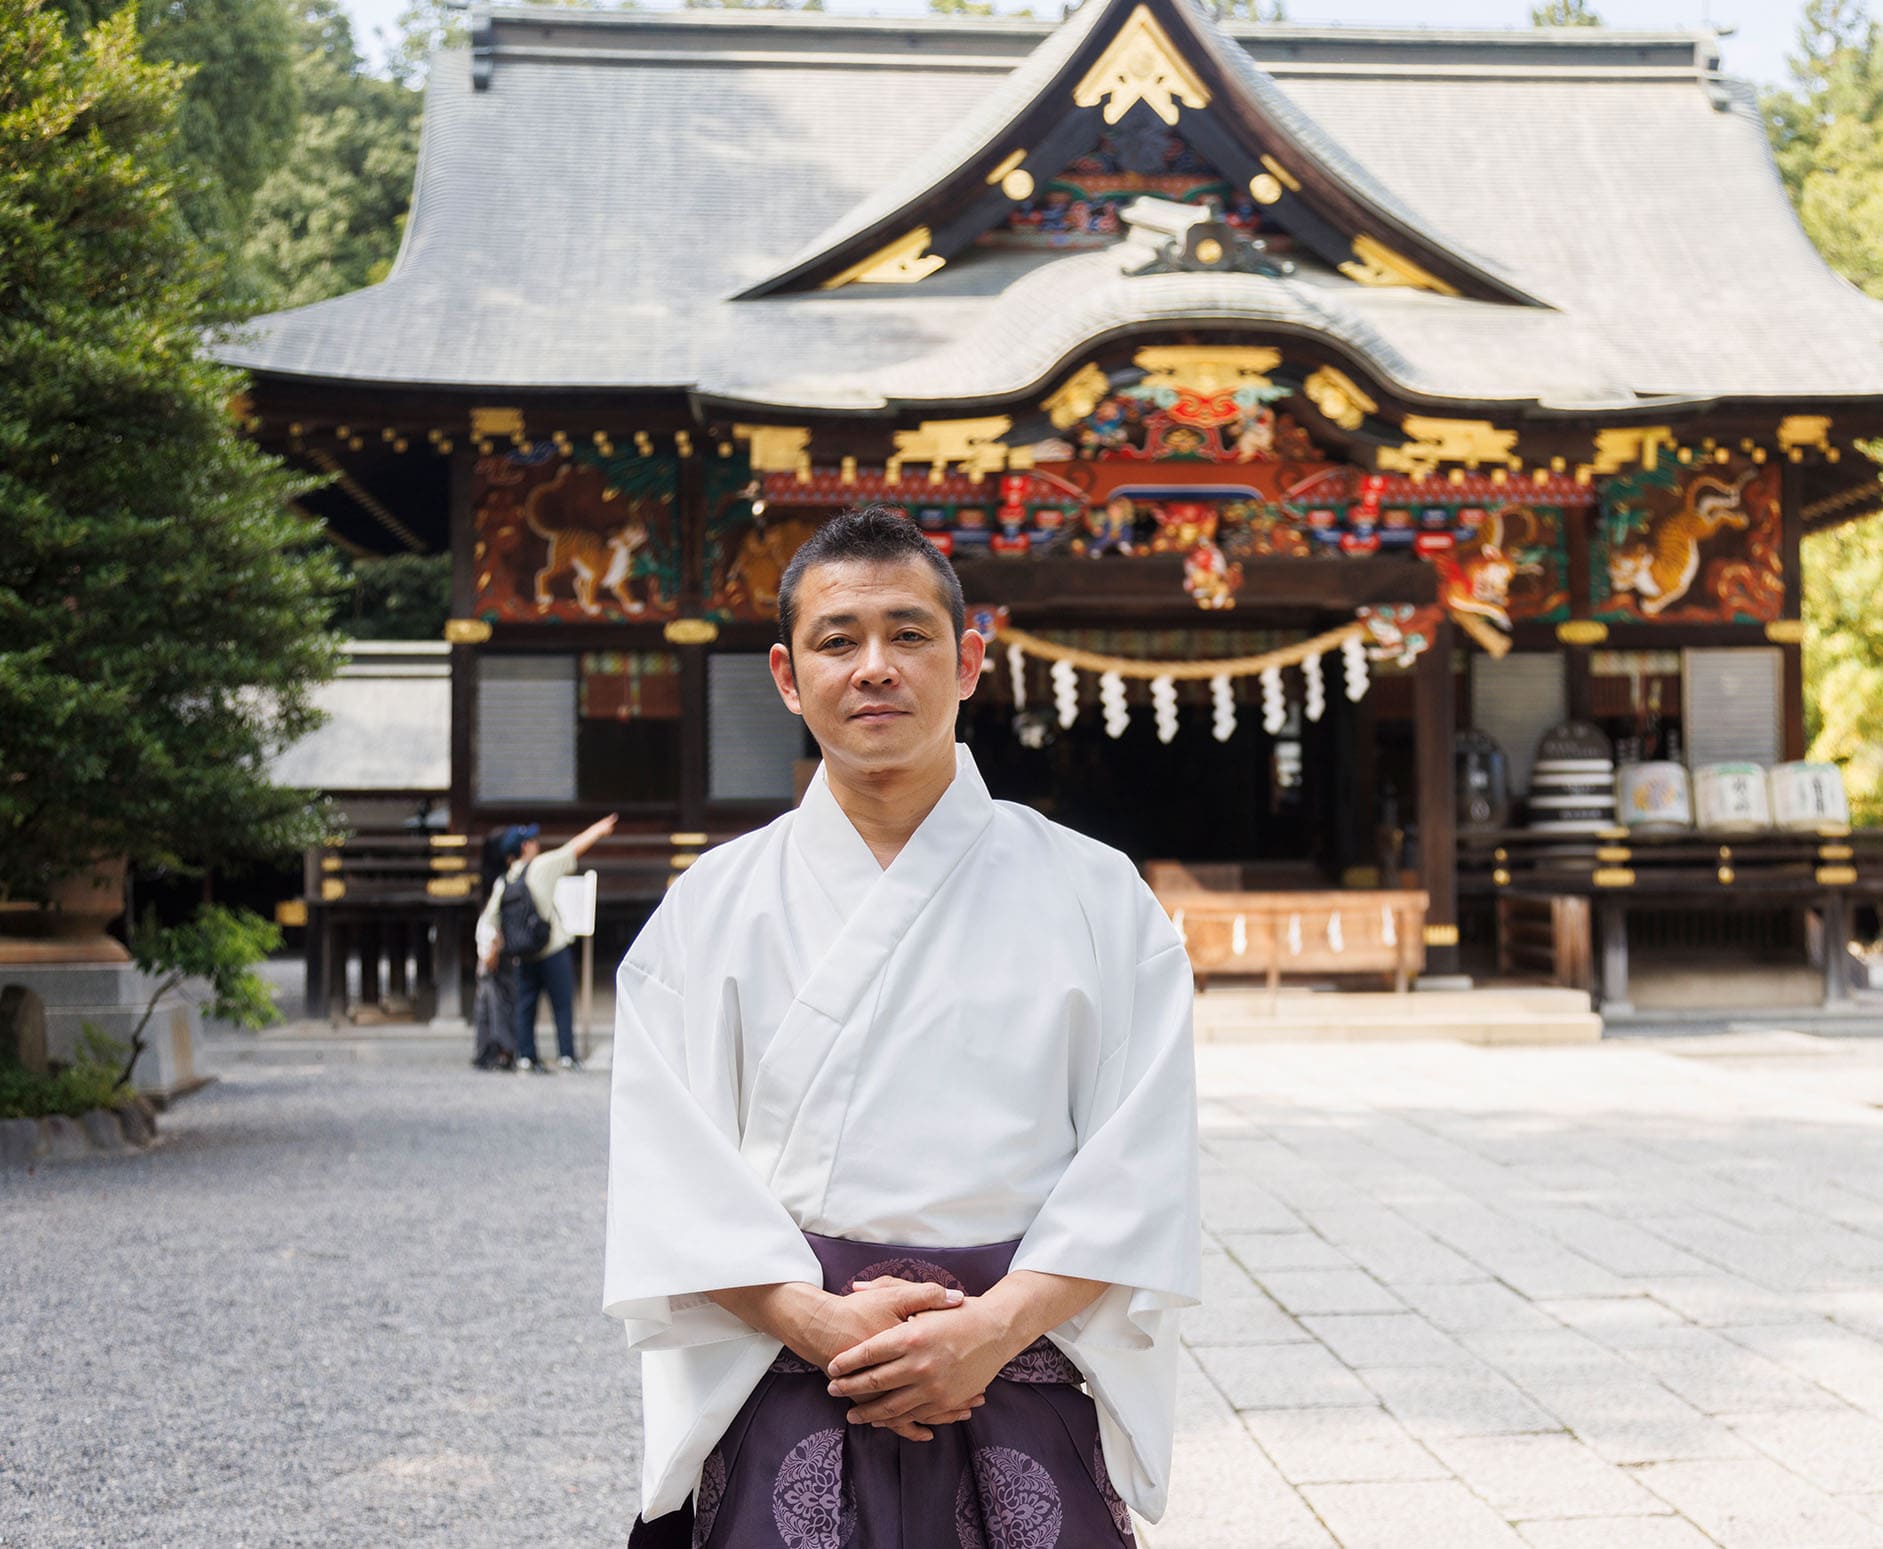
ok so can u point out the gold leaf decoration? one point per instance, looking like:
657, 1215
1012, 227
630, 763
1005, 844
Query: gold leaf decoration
1141, 64
902, 262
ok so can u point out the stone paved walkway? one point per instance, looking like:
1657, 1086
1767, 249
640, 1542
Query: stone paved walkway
1608, 1297
1611, 1297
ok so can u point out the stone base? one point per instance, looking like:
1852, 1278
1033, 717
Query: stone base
102, 1131
111, 997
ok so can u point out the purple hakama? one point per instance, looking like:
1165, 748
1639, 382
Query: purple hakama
1025, 1472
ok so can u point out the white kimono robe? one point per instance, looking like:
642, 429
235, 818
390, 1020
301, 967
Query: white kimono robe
988, 1041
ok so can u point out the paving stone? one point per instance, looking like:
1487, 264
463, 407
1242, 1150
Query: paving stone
1615, 1533
1468, 1399
1396, 1514
1543, 1476
1717, 1375
1481, 1305
1847, 1364
1383, 1339
1718, 1300
1260, 1251
1755, 1504
1303, 1291
1323, 1446
1282, 1377
1250, 1320
1838, 1450
1596, 1315
1225, 1280
1224, 1493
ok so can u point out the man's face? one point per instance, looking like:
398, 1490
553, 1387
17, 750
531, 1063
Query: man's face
530, 850
873, 666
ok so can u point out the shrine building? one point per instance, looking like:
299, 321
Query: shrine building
1317, 418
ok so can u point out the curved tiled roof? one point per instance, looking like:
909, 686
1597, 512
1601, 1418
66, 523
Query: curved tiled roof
585, 221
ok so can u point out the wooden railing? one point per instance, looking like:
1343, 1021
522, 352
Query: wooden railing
389, 914
1821, 872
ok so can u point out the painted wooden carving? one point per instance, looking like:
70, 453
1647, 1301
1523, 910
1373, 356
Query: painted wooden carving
575, 538
1690, 544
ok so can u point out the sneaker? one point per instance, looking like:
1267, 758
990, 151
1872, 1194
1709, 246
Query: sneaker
569, 1062
534, 1067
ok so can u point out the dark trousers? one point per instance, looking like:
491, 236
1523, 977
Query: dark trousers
556, 974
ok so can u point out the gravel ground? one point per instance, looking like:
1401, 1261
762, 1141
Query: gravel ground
341, 1304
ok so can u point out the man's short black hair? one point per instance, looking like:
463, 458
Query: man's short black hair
876, 535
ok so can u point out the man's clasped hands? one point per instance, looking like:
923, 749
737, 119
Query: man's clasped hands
911, 1355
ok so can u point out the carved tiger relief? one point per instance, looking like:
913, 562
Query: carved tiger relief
1660, 566
596, 558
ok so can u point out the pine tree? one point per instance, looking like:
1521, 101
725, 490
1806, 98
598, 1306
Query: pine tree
161, 611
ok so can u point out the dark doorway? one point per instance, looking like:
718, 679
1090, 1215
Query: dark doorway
1256, 799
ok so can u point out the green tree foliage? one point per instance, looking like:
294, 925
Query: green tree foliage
1827, 137
328, 219
1564, 13
399, 597
1252, 10
1825, 134
237, 116
218, 947
1843, 578
161, 611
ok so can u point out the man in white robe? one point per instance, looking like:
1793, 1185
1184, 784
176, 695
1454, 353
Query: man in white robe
910, 1036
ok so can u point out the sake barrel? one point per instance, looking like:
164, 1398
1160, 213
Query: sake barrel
1731, 799
1654, 798
1807, 796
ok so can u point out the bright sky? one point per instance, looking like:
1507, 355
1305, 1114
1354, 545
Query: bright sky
1764, 29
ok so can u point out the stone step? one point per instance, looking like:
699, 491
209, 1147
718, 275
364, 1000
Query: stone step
1500, 1016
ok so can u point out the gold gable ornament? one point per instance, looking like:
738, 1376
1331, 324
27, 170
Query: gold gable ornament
1339, 400
1430, 442
1374, 263
776, 448
1081, 393
974, 444
1206, 369
902, 262
1624, 447
1141, 64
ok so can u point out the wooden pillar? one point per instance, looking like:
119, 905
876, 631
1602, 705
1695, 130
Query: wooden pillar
1835, 912
1435, 713
448, 959
366, 933
692, 737
693, 517
398, 949
318, 951
340, 939
1792, 651
463, 655
1614, 927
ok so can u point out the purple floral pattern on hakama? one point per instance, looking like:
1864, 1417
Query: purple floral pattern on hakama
1006, 1500
706, 1499
1041, 1361
1024, 1472
919, 1271
1120, 1512
812, 1502
793, 1364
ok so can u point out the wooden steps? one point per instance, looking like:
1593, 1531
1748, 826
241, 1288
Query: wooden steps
1513, 1014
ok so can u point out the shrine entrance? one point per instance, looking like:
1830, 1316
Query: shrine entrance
1274, 801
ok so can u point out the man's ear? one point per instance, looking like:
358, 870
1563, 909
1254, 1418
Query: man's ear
786, 679
973, 652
